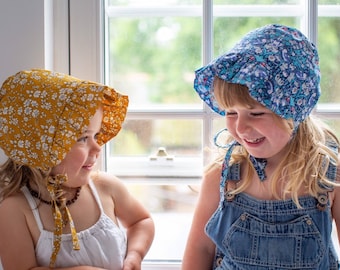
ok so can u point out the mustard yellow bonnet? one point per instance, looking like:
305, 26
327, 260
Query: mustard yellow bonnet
43, 113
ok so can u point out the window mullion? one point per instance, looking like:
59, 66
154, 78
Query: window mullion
312, 20
207, 54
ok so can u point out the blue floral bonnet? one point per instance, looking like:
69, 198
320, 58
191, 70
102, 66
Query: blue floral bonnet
280, 67
277, 63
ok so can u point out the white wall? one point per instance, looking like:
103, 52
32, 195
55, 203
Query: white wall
22, 36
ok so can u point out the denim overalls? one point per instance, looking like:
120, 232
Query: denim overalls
267, 235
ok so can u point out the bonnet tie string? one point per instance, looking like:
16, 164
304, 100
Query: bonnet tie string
61, 215
259, 164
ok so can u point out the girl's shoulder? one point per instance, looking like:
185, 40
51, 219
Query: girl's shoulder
14, 208
15, 201
213, 171
104, 177
107, 183
212, 177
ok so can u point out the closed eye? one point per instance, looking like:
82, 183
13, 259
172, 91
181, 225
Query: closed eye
257, 113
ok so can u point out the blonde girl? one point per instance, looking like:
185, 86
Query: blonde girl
269, 202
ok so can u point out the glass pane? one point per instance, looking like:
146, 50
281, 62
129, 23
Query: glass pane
172, 207
329, 50
256, 2
328, 2
153, 59
334, 125
229, 30
143, 137
152, 2
219, 123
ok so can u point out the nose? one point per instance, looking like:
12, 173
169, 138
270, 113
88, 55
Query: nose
95, 148
242, 124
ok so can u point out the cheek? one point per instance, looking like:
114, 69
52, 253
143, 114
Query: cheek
279, 137
72, 161
283, 137
75, 158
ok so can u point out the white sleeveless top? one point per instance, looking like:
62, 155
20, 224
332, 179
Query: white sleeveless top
102, 245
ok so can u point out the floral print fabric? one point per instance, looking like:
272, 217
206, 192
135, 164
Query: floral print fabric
278, 64
42, 114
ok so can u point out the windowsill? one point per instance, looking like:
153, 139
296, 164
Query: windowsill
161, 265
188, 169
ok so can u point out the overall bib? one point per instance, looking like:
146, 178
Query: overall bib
252, 234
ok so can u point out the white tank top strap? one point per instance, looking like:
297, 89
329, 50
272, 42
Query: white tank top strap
33, 206
96, 195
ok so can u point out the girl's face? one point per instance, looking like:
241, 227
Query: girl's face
258, 129
81, 159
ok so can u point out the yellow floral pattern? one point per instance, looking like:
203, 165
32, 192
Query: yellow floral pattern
42, 114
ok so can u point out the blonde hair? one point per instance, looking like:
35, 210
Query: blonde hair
305, 163
13, 176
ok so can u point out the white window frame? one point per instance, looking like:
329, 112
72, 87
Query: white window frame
78, 50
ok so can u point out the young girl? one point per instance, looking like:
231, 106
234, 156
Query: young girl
56, 212
269, 202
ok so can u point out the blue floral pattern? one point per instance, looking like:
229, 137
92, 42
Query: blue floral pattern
277, 63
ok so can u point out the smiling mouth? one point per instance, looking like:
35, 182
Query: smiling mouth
258, 140
90, 166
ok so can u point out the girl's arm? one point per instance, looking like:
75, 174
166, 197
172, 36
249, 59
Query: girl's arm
140, 236
200, 250
136, 220
336, 202
16, 243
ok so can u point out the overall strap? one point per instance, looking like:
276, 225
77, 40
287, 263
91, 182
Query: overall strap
229, 181
331, 171
330, 175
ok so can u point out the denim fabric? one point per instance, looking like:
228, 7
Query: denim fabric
269, 235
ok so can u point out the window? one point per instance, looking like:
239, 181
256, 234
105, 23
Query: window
149, 50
